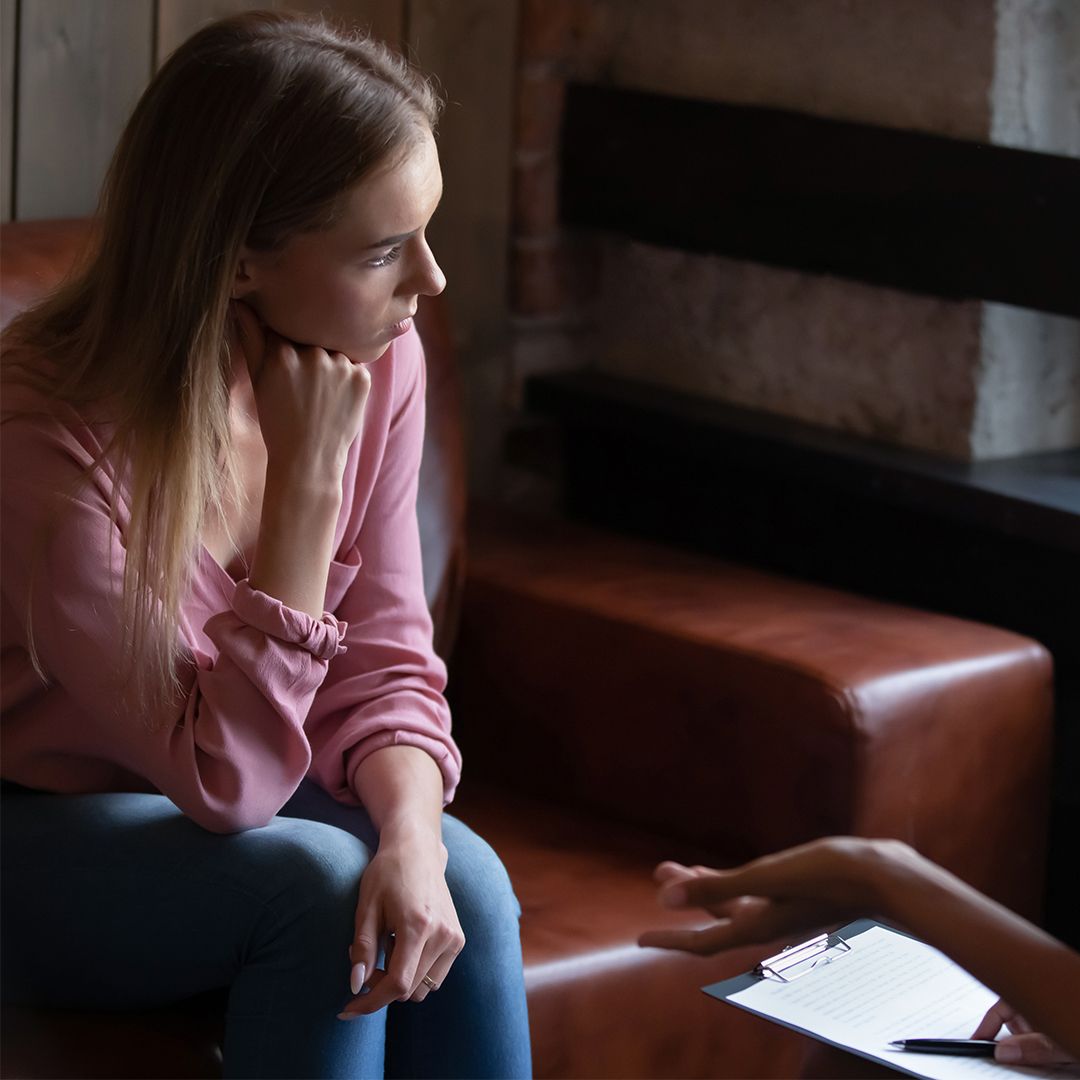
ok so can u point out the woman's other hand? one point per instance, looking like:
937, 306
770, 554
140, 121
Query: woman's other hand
1023, 1045
404, 907
310, 402
791, 892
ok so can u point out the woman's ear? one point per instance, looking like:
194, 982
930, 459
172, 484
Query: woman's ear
243, 279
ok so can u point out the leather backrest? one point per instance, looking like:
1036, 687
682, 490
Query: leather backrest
35, 255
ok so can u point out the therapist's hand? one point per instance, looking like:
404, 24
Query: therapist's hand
794, 891
1022, 1046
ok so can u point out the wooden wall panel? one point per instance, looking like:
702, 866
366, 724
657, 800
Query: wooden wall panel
7, 103
178, 19
384, 18
470, 45
82, 65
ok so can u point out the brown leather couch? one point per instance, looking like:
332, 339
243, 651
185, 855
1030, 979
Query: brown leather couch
618, 703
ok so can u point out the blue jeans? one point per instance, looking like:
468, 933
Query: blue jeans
118, 901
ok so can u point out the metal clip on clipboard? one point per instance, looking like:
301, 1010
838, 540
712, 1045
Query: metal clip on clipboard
797, 960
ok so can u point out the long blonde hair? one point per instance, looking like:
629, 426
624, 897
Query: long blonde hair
251, 131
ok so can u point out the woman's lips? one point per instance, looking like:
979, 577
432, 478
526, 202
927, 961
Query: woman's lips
400, 328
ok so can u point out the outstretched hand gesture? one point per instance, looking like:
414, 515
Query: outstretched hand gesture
790, 892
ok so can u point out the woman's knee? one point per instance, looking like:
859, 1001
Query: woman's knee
305, 865
478, 881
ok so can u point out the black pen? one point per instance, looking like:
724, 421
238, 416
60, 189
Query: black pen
963, 1047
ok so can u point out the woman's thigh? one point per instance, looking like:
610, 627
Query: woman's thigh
120, 900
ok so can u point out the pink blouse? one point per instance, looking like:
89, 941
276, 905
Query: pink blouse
272, 694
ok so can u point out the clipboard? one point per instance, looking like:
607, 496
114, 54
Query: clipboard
796, 960
806, 987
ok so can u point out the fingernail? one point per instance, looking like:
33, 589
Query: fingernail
346, 1016
356, 978
673, 897
1008, 1052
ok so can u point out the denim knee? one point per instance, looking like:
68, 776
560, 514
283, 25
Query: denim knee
306, 864
483, 895
307, 877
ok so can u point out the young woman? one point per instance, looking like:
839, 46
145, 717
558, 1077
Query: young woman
845, 877
226, 747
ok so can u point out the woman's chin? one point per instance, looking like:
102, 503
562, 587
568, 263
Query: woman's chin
369, 356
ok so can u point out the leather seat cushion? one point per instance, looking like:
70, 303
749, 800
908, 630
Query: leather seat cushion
599, 1005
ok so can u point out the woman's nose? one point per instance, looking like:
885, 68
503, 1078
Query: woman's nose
427, 277
437, 279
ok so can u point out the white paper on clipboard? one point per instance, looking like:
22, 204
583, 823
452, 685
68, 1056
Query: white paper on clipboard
885, 985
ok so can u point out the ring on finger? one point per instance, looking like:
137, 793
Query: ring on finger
429, 982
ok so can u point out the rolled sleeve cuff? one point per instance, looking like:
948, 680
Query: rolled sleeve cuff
323, 638
448, 762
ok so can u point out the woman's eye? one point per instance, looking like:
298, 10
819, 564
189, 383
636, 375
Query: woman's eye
387, 259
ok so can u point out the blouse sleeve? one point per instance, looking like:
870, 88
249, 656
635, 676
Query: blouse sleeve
388, 688
233, 749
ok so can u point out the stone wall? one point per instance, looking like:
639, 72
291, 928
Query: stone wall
962, 379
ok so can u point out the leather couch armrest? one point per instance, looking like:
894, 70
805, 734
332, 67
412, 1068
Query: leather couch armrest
744, 711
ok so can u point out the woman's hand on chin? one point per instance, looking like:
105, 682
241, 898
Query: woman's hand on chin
310, 401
